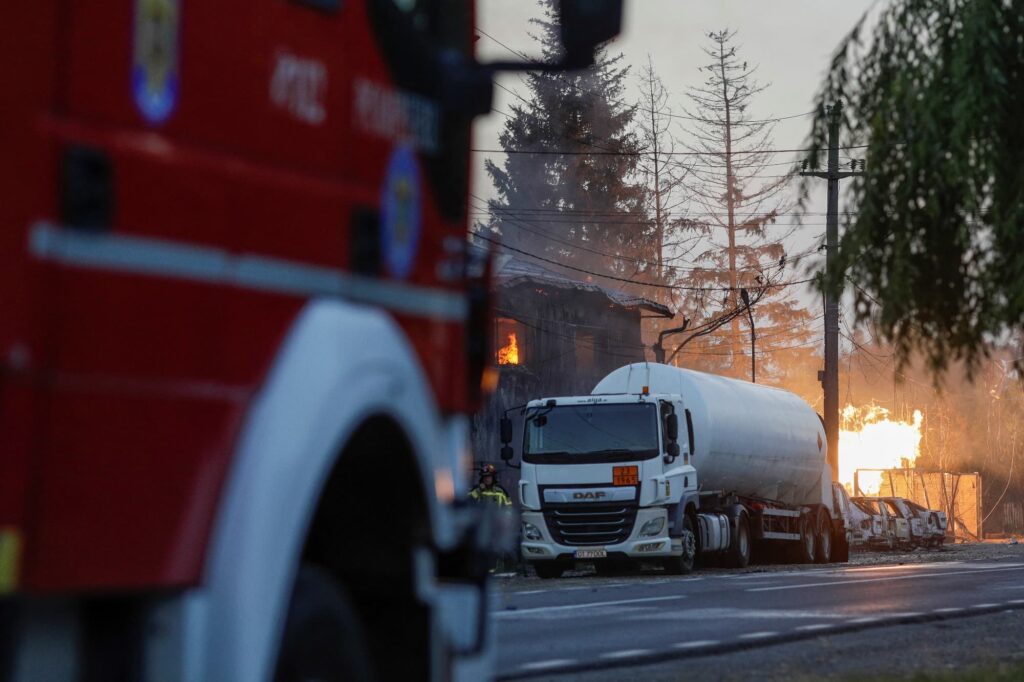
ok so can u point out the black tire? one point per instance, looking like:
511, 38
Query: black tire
740, 543
840, 547
823, 537
549, 570
323, 639
683, 564
805, 549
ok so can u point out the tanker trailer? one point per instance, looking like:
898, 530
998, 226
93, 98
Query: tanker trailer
672, 465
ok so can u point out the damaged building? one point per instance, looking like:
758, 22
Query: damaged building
554, 335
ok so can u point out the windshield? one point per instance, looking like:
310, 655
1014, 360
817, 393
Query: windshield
591, 433
867, 505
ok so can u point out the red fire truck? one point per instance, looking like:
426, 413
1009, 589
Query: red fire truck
240, 338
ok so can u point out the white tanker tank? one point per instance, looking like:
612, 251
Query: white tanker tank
749, 439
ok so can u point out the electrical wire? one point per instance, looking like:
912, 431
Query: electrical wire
779, 285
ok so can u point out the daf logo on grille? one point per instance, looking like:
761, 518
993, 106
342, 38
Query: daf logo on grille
590, 495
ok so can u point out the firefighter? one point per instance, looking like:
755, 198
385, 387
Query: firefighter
487, 490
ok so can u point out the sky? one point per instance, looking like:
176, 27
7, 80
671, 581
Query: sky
792, 41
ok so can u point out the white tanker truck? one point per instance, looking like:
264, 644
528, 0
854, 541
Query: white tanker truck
671, 465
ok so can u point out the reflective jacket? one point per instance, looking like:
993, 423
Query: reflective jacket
495, 495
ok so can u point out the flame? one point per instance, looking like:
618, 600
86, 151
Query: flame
509, 355
868, 439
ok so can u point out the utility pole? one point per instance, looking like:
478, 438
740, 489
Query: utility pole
830, 377
753, 336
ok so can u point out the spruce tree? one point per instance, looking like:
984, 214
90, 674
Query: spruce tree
574, 201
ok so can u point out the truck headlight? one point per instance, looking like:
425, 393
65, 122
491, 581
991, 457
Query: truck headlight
652, 527
531, 532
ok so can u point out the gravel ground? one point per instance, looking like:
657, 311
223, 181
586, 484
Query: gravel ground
961, 552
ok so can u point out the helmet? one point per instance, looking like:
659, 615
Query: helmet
487, 470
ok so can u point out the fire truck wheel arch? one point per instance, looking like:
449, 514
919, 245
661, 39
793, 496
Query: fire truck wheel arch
315, 397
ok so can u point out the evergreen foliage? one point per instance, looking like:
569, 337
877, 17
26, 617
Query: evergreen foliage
576, 203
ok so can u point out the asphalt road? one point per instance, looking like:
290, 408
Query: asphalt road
546, 628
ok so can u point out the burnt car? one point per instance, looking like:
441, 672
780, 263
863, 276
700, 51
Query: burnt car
909, 530
877, 527
933, 522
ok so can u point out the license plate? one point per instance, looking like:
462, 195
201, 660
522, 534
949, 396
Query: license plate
601, 553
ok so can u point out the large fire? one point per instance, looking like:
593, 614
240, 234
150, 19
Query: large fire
509, 355
869, 439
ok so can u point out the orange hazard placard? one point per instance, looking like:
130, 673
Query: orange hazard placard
625, 475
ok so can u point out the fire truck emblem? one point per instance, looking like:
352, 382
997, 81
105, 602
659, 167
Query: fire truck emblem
401, 216
155, 58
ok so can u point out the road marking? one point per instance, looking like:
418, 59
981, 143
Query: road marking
628, 653
544, 665
865, 619
1016, 601
904, 614
916, 576
815, 627
695, 644
949, 609
758, 635
531, 592
511, 613
984, 606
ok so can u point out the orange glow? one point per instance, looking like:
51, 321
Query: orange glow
509, 355
868, 439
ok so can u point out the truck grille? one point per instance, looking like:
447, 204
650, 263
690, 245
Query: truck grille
590, 524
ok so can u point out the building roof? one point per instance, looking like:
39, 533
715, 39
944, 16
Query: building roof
510, 271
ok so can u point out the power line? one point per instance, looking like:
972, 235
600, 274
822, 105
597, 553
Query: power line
499, 244
518, 223
573, 152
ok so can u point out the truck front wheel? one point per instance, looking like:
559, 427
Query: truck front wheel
683, 564
323, 639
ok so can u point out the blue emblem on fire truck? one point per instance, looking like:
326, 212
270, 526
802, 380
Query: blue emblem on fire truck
401, 216
155, 58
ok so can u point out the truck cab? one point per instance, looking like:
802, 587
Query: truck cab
601, 477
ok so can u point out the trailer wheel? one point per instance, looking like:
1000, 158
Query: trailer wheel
739, 547
841, 547
683, 564
823, 537
323, 639
549, 569
806, 548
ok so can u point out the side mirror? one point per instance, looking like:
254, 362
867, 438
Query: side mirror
672, 428
506, 430
585, 25
672, 450
506, 453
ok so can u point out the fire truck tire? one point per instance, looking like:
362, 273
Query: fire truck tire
323, 639
823, 537
549, 569
740, 544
